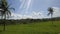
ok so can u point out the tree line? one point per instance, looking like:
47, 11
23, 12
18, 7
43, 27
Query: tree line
28, 21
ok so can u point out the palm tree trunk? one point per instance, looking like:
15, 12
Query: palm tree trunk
4, 22
51, 18
4, 25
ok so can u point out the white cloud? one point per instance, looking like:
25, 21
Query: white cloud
25, 4
36, 14
28, 4
22, 3
56, 12
19, 16
27, 16
15, 16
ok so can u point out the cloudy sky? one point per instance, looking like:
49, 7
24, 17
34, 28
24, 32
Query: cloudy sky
33, 8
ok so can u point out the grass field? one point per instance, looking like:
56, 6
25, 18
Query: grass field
33, 28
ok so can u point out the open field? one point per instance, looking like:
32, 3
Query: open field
32, 28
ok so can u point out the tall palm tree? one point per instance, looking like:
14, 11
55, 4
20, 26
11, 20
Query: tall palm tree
50, 9
5, 12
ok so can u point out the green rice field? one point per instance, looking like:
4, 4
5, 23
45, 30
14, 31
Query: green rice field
33, 28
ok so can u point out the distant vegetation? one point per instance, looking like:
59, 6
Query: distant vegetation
27, 21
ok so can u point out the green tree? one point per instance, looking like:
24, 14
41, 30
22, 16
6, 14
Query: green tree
5, 11
50, 10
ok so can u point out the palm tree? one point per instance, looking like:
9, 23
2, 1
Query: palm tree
50, 9
5, 12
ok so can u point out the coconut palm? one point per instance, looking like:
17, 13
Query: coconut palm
50, 9
5, 12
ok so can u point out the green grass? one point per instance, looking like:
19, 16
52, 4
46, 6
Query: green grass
33, 28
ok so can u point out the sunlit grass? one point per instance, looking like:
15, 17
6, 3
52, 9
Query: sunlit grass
33, 28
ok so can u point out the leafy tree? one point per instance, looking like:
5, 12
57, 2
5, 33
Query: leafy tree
50, 9
5, 11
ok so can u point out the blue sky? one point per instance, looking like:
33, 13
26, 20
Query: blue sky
34, 8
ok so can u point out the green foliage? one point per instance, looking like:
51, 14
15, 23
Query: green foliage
4, 12
50, 9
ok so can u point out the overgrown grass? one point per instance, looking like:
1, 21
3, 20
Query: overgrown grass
33, 28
